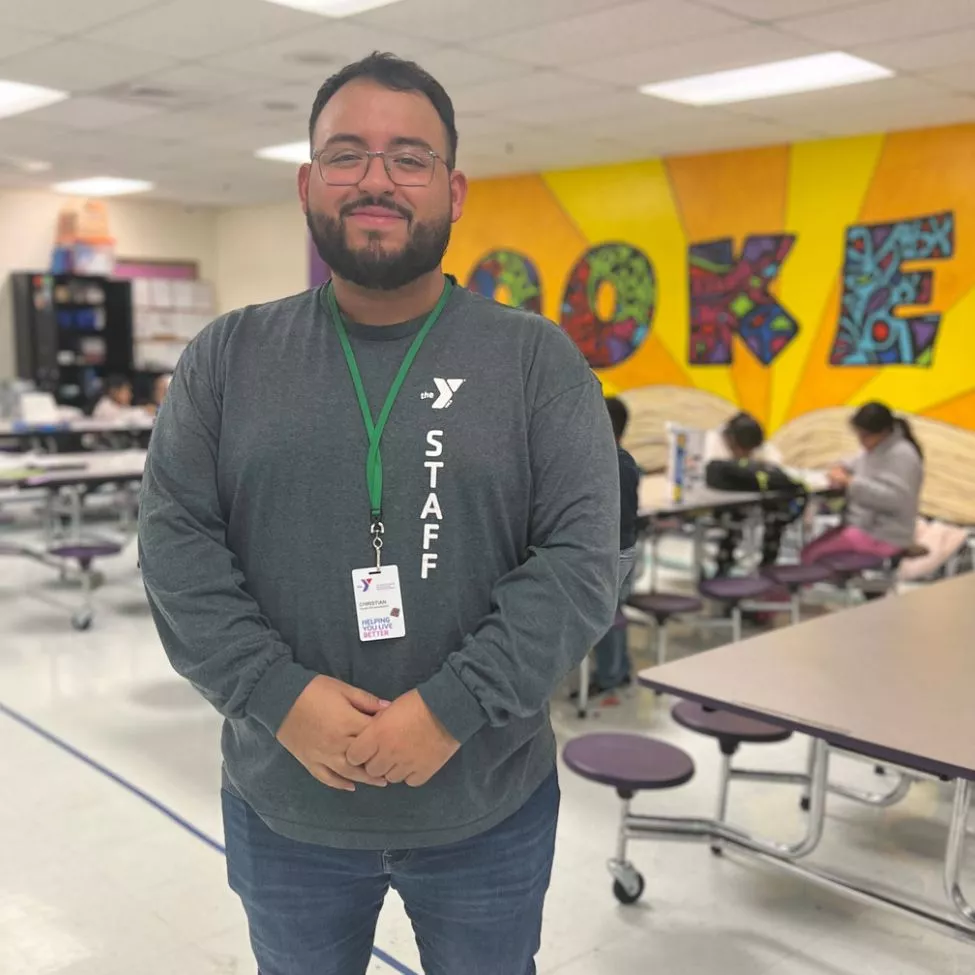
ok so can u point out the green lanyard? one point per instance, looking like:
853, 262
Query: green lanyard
374, 431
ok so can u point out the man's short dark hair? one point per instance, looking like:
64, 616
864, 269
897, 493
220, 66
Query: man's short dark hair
618, 414
397, 75
745, 432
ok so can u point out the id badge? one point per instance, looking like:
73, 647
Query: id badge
378, 603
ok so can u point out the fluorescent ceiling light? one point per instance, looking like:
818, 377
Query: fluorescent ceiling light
102, 186
334, 8
831, 70
290, 152
16, 97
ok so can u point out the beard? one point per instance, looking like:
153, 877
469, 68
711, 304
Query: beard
372, 266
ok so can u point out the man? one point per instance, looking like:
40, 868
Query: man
379, 525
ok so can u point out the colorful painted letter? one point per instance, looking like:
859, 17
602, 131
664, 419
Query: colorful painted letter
730, 296
870, 333
511, 271
608, 341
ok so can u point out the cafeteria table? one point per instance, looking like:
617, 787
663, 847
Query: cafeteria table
890, 681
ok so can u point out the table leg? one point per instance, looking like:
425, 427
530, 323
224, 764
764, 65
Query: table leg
654, 556
583, 700
955, 852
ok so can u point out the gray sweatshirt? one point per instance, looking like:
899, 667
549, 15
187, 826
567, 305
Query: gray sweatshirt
501, 510
884, 494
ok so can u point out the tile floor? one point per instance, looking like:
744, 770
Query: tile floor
98, 879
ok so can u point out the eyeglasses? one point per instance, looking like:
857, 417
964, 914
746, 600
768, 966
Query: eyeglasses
409, 166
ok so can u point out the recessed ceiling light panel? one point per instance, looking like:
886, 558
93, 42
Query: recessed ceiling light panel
16, 97
290, 152
818, 71
334, 8
102, 186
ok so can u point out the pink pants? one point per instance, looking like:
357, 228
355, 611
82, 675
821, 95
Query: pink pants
846, 539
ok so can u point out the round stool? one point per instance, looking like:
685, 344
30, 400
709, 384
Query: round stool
661, 606
852, 563
847, 566
629, 764
794, 577
735, 590
731, 730
85, 553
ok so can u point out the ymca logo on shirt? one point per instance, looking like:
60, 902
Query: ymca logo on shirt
444, 395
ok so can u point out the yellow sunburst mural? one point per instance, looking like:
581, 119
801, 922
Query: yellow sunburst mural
782, 280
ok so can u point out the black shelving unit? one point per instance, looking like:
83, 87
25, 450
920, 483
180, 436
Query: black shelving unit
71, 331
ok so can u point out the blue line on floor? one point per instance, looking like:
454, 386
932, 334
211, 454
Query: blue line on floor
155, 803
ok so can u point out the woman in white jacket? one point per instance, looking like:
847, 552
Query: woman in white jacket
882, 485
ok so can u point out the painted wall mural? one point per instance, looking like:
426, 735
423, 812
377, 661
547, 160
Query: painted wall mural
730, 296
782, 280
876, 287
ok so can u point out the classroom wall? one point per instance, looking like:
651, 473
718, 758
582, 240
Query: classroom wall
782, 280
143, 229
262, 254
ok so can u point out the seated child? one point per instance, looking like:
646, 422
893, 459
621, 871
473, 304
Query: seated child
882, 486
116, 403
612, 658
743, 437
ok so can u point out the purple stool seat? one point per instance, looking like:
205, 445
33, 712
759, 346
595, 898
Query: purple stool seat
86, 552
730, 729
850, 563
736, 589
663, 605
628, 763
794, 576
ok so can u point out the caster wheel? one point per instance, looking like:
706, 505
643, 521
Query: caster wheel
627, 896
583, 714
879, 770
82, 621
804, 803
717, 851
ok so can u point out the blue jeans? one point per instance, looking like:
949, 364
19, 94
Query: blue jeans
612, 658
475, 906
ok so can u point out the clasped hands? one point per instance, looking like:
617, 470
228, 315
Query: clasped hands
343, 736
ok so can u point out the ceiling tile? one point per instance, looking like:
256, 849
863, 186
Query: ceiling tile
456, 68
91, 113
312, 55
13, 41
65, 16
891, 116
959, 77
524, 87
849, 98
624, 107
921, 53
196, 83
753, 45
883, 20
460, 21
189, 29
190, 124
771, 10
79, 66
618, 30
